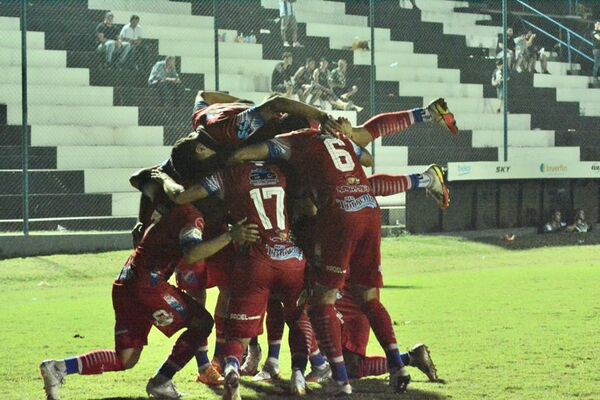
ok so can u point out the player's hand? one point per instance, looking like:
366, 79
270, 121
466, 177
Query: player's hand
137, 233
345, 126
330, 125
158, 175
243, 232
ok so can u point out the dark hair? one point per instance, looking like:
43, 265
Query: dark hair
183, 155
309, 59
134, 17
286, 54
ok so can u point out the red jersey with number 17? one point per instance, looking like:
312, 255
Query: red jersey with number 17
330, 166
256, 191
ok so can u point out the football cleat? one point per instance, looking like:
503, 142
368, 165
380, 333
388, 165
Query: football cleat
269, 371
399, 379
441, 115
165, 390
319, 375
334, 388
437, 186
232, 386
217, 364
54, 378
421, 358
210, 376
250, 365
297, 383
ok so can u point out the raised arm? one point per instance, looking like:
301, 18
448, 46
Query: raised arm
255, 152
279, 104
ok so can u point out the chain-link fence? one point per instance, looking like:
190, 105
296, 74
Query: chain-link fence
111, 85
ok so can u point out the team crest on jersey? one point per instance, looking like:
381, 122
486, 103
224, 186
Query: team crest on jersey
262, 176
352, 180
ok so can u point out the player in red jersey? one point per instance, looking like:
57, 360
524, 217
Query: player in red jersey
142, 297
348, 228
272, 265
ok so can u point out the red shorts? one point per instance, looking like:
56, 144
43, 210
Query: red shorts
356, 327
191, 277
213, 272
143, 302
253, 282
348, 247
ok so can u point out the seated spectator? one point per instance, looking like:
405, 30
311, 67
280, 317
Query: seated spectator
498, 83
109, 44
596, 52
288, 23
339, 84
320, 81
165, 78
579, 224
281, 79
133, 34
510, 44
555, 224
303, 79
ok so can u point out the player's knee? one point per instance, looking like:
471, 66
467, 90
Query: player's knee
323, 295
201, 322
363, 294
130, 357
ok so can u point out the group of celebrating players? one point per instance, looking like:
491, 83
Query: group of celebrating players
269, 203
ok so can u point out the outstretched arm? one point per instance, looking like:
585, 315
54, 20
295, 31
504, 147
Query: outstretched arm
255, 152
177, 193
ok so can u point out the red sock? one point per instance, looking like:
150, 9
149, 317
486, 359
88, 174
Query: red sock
186, 346
386, 185
372, 366
387, 124
233, 349
381, 323
97, 362
327, 328
275, 321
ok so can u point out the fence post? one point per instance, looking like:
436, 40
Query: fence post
505, 75
569, 49
25, 123
373, 75
216, 33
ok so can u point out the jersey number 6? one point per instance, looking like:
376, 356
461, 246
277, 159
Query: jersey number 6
341, 158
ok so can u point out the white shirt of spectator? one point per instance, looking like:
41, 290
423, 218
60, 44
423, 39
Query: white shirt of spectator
130, 33
286, 8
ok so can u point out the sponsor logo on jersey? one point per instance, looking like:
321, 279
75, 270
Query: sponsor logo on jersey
175, 304
162, 318
262, 176
334, 269
280, 252
354, 204
243, 317
353, 189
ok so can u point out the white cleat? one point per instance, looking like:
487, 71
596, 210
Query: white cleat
162, 390
269, 371
232, 385
297, 383
319, 375
53, 377
250, 365
334, 388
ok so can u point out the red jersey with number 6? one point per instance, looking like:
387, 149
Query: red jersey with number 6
330, 166
257, 191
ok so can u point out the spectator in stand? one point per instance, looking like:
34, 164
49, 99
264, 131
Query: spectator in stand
281, 79
510, 45
287, 15
579, 224
527, 53
109, 44
498, 83
303, 79
320, 81
596, 52
338, 82
133, 34
165, 78
555, 224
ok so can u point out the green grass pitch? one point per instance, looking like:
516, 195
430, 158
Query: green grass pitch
500, 324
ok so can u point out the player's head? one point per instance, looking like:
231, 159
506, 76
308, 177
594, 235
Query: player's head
134, 20
189, 153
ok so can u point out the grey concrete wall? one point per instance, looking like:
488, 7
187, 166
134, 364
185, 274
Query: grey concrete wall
12, 246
